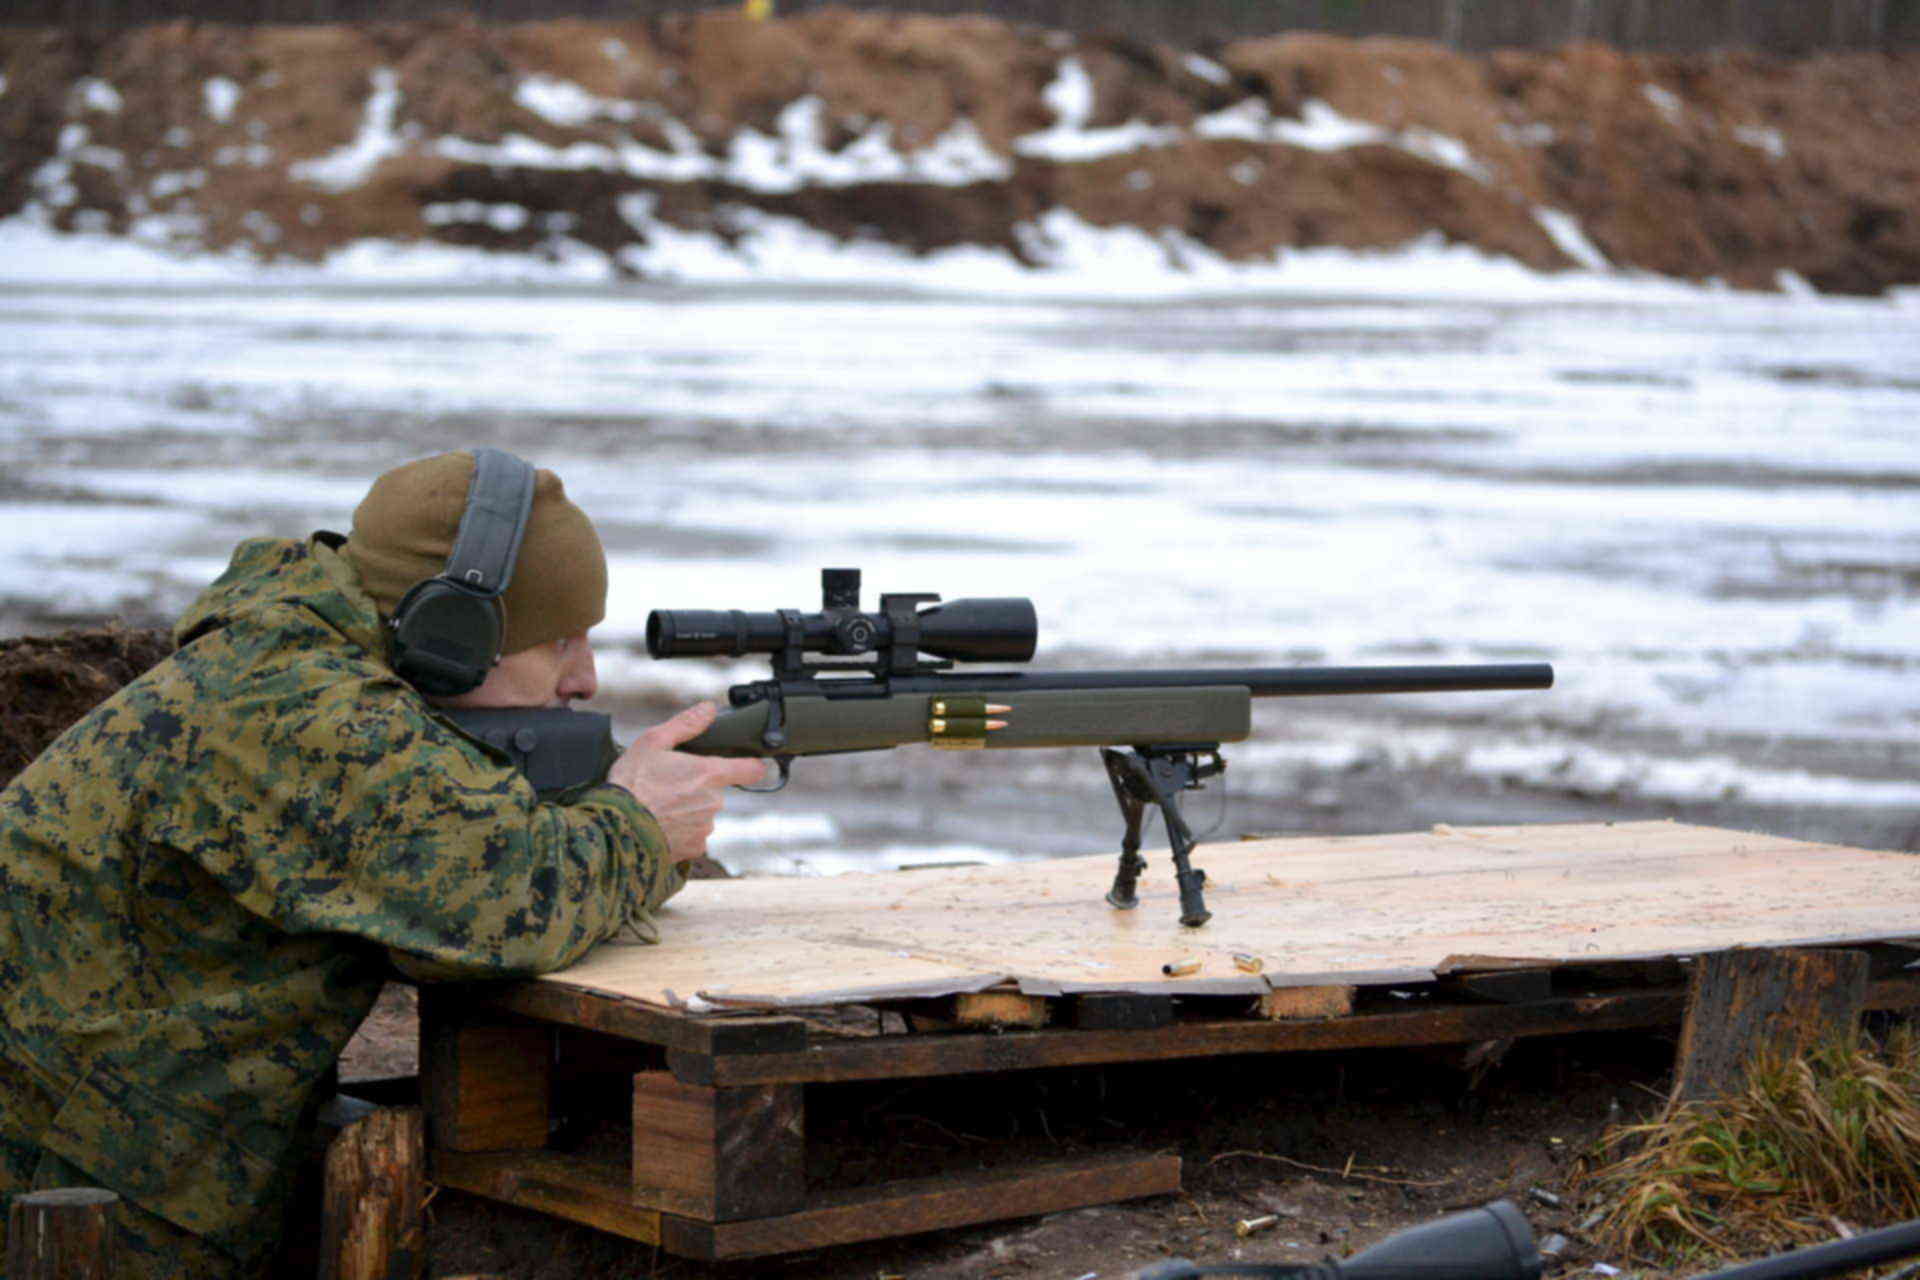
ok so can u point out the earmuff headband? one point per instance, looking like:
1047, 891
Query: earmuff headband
494, 522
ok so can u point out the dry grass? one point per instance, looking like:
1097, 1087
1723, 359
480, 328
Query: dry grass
1810, 1142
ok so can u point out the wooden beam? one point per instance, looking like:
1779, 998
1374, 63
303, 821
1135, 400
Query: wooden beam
719, 1154
600, 1195
63, 1233
909, 1057
902, 1057
1741, 1004
375, 1186
632, 1020
929, 1204
486, 1079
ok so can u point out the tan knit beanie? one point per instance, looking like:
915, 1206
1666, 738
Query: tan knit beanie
403, 532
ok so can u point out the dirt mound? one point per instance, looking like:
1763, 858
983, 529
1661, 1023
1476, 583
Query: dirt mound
48, 682
925, 133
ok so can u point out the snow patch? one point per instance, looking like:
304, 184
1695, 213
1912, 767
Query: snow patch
167, 185
97, 95
1068, 139
1564, 229
1767, 140
1793, 284
219, 96
564, 103
1321, 128
1070, 95
793, 157
353, 164
1207, 69
1664, 101
501, 217
1070, 145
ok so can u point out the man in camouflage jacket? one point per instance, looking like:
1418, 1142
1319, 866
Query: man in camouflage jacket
206, 881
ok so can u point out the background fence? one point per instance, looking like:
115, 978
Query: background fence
1776, 25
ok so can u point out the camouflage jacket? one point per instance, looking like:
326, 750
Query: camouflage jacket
202, 882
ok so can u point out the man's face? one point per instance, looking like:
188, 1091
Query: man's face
547, 675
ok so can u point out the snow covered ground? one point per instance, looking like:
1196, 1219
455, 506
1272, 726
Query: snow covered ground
1699, 505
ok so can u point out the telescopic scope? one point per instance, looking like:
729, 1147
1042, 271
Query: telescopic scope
994, 629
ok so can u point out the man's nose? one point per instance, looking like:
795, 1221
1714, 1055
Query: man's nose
581, 680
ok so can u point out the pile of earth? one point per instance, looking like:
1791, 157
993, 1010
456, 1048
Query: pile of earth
617, 140
48, 682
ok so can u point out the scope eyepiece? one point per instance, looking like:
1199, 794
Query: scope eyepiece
994, 629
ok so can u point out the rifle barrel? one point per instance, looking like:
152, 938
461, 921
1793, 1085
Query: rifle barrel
1263, 682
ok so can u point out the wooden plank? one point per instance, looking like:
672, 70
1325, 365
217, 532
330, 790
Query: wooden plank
1745, 1003
1307, 1002
1314, 911
598, 1195
485, 1080
719, 1154
374, 1190
930, 1204
632, 1019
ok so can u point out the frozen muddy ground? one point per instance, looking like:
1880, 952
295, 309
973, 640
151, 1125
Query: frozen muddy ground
1701, 507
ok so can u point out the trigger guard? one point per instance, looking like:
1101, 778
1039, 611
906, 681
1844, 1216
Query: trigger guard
785, 765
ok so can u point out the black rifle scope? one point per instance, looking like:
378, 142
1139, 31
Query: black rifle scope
997, 629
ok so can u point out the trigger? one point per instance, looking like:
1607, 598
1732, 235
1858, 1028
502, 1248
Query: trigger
785, 766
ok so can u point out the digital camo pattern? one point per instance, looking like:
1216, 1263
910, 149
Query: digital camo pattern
202, 882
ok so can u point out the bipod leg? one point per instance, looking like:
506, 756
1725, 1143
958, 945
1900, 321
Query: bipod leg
1168, 776
1157, 775
1130, 789
1191, 879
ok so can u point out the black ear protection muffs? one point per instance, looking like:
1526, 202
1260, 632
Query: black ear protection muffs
447, 630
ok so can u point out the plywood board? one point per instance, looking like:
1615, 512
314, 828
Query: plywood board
1316, 911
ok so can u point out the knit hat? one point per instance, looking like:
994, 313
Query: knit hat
403, 532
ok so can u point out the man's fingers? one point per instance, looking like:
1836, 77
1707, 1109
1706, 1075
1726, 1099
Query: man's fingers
740, 773
685, 727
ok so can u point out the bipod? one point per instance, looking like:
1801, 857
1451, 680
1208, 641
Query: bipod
1157, 775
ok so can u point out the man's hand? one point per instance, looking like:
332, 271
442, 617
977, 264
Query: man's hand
682, 791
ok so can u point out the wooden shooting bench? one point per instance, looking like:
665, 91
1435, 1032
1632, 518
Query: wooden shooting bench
1447, 937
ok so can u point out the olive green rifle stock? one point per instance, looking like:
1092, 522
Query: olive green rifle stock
817, 724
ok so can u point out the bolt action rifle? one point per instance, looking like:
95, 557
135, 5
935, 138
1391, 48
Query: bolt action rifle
1159, 732
1495, 1242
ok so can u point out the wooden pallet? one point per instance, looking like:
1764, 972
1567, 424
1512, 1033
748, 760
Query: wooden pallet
718, 1092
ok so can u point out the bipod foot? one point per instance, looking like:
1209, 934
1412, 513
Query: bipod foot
1193, 905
